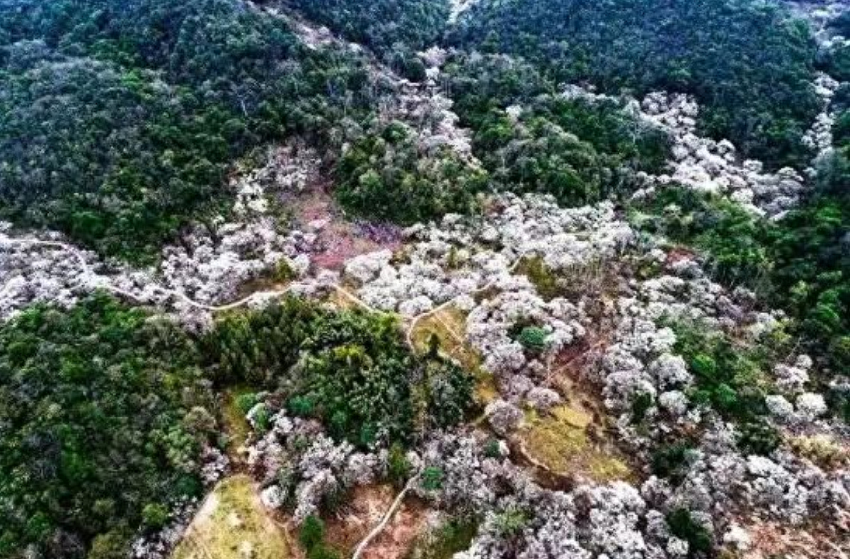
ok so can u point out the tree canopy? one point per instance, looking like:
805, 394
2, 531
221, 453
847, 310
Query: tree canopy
103, 412
747, 62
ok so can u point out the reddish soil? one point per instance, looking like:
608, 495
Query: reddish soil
365, 509
821, 541
339, 239
678, 254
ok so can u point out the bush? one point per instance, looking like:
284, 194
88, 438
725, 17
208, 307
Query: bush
245, 402
727, 377
683, 526
640, 405
492, 449
114, 544
432, 478
451, 537
312, 532
758, 437
670, 461
398, 466
154, 516
533, 338
511, 522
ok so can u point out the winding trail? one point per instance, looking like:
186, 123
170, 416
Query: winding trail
96, 281
364, 543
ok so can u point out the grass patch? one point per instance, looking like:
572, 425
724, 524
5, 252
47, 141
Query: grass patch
235, 424
449, 325
232, 523
563, 442
538, 273
444, 541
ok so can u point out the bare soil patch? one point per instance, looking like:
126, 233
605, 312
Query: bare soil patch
338, 239
364, 510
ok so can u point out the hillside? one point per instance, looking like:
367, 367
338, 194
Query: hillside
420, 279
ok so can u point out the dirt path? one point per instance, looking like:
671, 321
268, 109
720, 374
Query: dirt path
96, 281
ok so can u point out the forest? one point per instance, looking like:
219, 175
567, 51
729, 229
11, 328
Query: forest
750, 69
394, 30
105, 414
143, 106
143, 385
544, 279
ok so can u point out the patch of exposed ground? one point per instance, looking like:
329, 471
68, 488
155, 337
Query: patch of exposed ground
235, 424
232, 523
772, 540
337, 238
444, 538
363, 510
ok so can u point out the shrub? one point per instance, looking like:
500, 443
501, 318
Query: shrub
312, 532
245, 402
670, 461
449, 538
154, 516
729, 378
398, 466
683, 526
432, 478
262, 418
511, 521
492, 449
533, 338
640, 405
758, 437
114, 544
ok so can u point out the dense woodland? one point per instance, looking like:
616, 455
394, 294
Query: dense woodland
142, 106
350, 369
145, 387
388, 176
395, 30
578, 150
104, 414
750, 69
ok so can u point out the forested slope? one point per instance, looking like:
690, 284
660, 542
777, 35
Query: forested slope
394, 29
505, 279
745, 61
140, 107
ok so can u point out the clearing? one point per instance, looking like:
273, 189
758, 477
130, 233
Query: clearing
449, 325
232, 523
567, 442
363, 510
